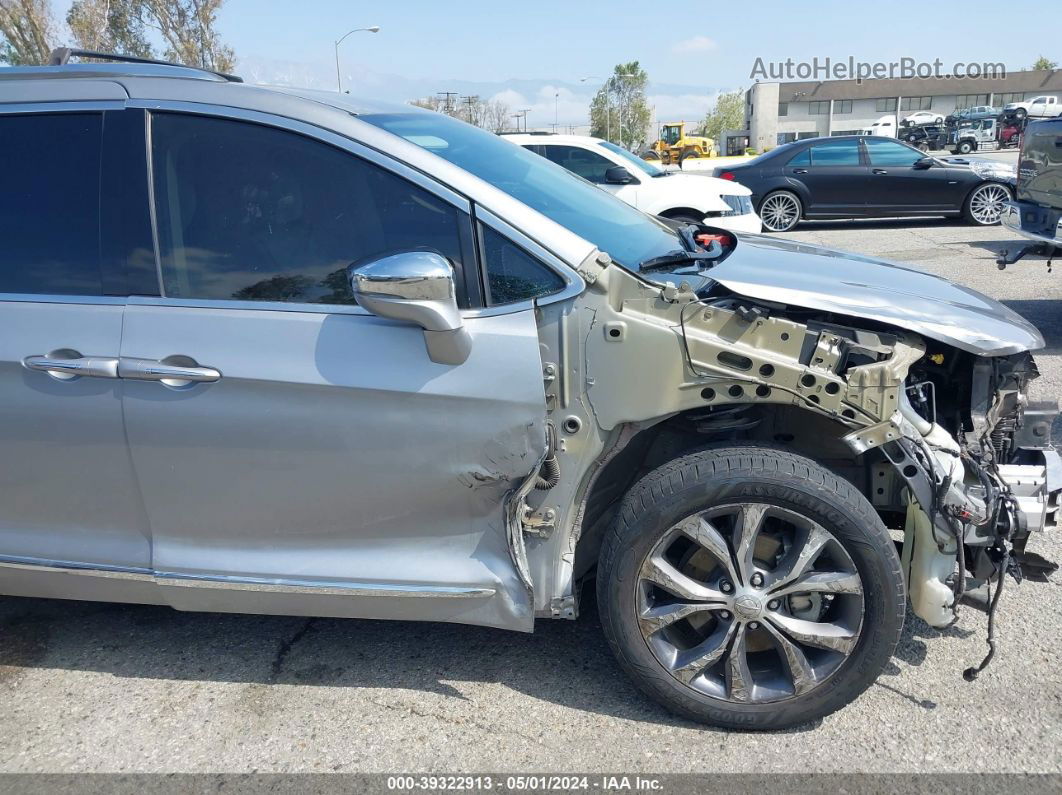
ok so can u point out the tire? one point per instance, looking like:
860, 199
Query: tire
774, 216
984, 205
784, 486
965, 148
688, 154
651, 155
1020, 113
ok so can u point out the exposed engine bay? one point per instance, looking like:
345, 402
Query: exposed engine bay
942, 441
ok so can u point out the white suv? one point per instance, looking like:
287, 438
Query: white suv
681, 197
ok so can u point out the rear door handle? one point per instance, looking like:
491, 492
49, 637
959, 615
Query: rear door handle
880, 171
66, 365
173, 371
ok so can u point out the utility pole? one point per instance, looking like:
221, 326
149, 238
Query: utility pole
470, 104
524, 112
448, 101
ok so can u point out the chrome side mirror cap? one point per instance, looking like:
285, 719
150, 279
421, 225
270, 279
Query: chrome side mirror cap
416, 287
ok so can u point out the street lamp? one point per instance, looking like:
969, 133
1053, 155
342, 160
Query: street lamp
607, 86
608, 107
372, 29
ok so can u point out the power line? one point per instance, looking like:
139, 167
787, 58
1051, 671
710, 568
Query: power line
471, 102
448, 101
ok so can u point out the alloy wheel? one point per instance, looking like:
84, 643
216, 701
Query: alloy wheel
986, 203
780, 212
749, 603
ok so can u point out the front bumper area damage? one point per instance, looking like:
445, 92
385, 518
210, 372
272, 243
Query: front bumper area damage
968, 487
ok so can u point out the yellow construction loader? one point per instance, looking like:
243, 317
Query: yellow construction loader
674, 146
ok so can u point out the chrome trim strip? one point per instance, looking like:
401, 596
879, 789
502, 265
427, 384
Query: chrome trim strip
45, 298
265, 306
70, 567
311, 131
225, 582
307, 587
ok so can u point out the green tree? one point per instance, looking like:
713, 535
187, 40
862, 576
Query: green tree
109, 26
27, 32
728, 113
620, 111
188, 28
1044, 65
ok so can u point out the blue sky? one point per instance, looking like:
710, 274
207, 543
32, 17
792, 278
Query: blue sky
528, 53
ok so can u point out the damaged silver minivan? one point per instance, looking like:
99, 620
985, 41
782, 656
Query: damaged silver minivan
276, 351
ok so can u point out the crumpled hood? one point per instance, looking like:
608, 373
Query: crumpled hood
784, 271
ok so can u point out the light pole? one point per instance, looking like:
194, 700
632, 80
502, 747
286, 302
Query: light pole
339, 78
608, 108
621, 77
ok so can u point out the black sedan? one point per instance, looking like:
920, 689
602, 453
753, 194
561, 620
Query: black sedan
854, 176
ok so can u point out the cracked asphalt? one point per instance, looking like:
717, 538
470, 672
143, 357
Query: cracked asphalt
88, 687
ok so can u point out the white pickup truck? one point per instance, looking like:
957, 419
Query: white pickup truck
1035, 108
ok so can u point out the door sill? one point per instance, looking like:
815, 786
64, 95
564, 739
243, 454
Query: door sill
259, 584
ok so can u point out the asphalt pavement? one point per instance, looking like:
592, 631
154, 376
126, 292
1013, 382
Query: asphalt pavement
116, 688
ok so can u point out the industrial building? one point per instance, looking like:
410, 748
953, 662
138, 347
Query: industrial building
776, 113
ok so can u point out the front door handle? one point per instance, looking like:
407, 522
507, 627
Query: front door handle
880, 171
800, 171
173, 371
67, 364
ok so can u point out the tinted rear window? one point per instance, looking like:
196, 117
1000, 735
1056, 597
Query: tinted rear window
50, 204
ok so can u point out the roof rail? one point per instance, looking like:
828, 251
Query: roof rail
61, 56
524, 132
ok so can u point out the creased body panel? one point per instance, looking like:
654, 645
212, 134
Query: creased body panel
848, 284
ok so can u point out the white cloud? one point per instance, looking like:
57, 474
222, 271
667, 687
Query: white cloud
696, 44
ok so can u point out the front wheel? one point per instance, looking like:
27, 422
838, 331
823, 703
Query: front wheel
780, 211
965, 148
750, 588
1020, 114
984, 205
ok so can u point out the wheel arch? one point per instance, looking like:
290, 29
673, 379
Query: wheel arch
674, 212
819, 438
796, 188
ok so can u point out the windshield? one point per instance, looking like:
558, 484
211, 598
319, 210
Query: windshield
627, 235
633, 159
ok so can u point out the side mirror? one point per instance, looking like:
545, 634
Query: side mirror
618, 175
925, 162
416, 287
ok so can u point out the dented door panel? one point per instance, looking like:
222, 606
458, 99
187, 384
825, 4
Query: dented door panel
332, 453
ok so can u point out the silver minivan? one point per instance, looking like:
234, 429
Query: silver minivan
278, 351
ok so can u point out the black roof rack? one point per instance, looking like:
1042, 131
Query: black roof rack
61, 56
524, 132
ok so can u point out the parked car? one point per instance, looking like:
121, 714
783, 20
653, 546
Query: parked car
1035, 108
925, 136
1036, 212
886, 125
975, 112
923, 117
851, 176
282, 351
689, 198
